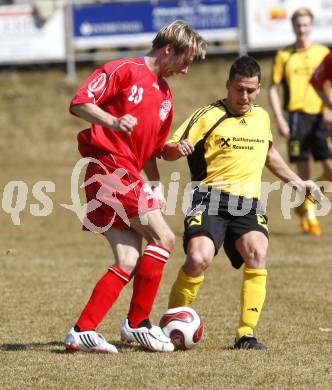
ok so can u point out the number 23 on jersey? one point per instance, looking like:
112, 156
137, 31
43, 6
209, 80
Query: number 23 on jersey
136, 94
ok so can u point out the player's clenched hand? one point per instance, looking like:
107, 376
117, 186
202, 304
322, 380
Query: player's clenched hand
126, 123
283, 127
313, 192
328, 117
328, 120
185, 147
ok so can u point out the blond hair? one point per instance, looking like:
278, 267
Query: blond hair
302, 12
182, 37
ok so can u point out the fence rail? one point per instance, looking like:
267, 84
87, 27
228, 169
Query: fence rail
83, 30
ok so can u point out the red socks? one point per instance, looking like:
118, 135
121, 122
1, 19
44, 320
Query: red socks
146, 282
103, 296
147, 278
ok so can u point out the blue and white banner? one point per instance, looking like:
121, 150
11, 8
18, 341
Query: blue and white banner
136, 23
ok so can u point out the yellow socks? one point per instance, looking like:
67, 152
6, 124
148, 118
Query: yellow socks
252, 299
309, 210
308, 219
184, 290
308, 206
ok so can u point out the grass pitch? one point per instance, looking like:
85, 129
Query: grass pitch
49, 267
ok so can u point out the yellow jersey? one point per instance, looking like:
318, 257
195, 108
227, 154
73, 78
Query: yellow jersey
293, 69
232, 156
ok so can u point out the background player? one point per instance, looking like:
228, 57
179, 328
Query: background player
303, 126
130, 107
322, 75
227, 144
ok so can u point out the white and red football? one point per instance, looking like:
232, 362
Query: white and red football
183, 326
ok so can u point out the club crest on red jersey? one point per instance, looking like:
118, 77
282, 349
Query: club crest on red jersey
165, 108
97, 83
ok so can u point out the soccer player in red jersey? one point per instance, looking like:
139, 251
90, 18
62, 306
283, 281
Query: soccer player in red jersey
130, 107
322, 74
321, 80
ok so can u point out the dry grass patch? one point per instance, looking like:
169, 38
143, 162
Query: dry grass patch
48, 268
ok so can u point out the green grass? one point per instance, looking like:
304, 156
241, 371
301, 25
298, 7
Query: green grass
49, 267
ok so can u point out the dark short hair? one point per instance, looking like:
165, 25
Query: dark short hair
245, 66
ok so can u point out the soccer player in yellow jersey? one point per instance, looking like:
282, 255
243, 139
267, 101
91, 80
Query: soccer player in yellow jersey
227, 145
302, 121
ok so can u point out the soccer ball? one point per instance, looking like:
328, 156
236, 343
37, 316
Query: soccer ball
183, 326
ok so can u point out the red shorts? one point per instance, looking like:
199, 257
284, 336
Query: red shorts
115, 194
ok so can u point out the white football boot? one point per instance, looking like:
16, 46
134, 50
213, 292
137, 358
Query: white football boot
88, 341
152, 339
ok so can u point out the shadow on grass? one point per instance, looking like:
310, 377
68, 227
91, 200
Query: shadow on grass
43, 346
121, 347
28, 346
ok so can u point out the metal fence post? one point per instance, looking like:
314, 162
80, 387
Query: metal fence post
70, 48
241, 17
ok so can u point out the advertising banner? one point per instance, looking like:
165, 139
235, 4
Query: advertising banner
135, 23
269, 26
24, 40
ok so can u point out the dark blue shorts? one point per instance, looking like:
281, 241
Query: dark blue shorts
221, 225
308, 136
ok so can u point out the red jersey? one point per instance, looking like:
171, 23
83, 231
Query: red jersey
323, 72
127, 86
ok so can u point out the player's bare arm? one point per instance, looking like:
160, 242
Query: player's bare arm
173, 151
151, 170
327, 90
276, 164
323, 95
282, 125
323, 85
94, 114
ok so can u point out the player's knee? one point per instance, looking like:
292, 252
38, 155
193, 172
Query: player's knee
256, 257
127, 264
168, 240
198, 261
260, 254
